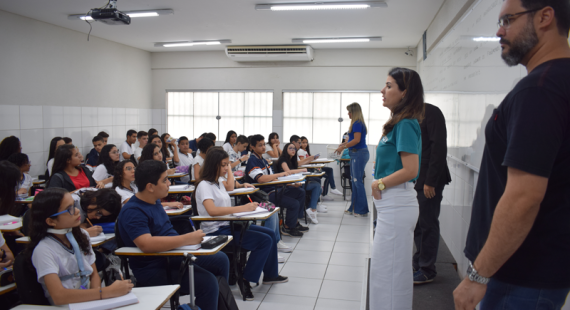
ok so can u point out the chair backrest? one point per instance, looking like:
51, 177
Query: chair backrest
30, 291
118, 238
26, 223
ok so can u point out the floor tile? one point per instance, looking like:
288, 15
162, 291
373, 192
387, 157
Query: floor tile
320, 235
330, 220
341, 290
249, 304
345, 228
315, 245
304, 270
352, 247
298, 287
290, 240
353, 238
285, 302
312, 257
351, 220
327, 304
325, 227
345, 273
347, 259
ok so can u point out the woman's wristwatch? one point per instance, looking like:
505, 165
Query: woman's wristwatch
381, 185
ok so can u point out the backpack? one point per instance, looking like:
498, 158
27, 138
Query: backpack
226, 300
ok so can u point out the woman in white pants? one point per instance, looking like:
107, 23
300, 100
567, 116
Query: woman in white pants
397, 166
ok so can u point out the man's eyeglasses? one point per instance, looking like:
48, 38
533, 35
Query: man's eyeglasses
70, 210
505, 21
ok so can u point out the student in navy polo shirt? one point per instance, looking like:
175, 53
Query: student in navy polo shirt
193, 144
93, 156
258, 171
144, 224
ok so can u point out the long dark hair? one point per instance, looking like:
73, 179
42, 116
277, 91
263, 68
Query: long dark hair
52, 147
44, 205
107, 199
63, 154
150, 138
286, 158
412, 105
147, 151
209, 171
118, 173
308, 149
165, 146
9, 146
229, 135
10, 177
105, 158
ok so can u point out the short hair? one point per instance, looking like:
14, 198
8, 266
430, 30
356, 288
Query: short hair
254, 139
149, 171
211, 136
103, 134
205, 144
561, 12
294, 138
19, 159
131, 132
141, 134
241, 139
96, 138
202, 135
67, 140
183, 138
152, 131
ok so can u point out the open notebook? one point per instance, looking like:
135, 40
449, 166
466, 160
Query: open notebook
176, 188
295, 176
109, 303
248, 213
99, 238
241, 190
7, 219
193, 247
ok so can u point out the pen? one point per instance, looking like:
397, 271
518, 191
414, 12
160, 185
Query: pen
120, 273
192, 223
89, 221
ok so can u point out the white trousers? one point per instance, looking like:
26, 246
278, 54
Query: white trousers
391, 275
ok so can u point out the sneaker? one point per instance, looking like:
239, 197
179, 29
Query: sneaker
321, 208
347, 212
360, 215
291, 232
280, 259
312, 215
277, 279
301, 228
245, 289
282, 247
326, 198
336, 192
421, 278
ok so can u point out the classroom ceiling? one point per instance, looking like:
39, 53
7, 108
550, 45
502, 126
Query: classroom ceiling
400, 25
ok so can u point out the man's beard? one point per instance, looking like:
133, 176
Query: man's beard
520, 46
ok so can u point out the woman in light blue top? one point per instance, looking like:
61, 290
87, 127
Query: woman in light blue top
397, 165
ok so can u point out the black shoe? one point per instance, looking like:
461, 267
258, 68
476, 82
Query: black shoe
245, 289
277, 279
301, 228
291, 232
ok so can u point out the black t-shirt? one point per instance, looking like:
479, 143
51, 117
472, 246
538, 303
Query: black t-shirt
530, 131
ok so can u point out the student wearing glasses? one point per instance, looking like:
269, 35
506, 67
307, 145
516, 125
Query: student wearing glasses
62, 254
126, 149
106, 165
96, 205
68, 173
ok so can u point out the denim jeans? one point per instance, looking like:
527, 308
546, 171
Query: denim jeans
501, 295
358, 160
263, 246
293, 200
315, 189
329, 180
273, 223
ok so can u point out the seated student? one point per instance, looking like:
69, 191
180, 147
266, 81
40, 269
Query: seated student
144, 224
96, 205
272, 148
258, 171
67, 140
154, 139
213, 200
9, 146
106, 166
126, 149
11, 175
186, 158
193, 144
142, 137
54, 144
210, 136
236, 159
105, 136
67, 171
124, 184
6, 255
22, 161
61, 252
230, 142
169, 149
296, 140
93, 156
305, 152
204, 145
152, 151
288, 162
152, 132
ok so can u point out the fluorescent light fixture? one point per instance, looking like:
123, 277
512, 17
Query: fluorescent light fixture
336, 40
191, 43
486, 39
311, 6
142, 14
132, 14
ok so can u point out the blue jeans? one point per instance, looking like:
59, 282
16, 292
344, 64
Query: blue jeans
315, 189
329, 180
273, 223
293, 200
263, 246
501, 295
358, 160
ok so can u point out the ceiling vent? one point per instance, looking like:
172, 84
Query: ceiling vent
270, 53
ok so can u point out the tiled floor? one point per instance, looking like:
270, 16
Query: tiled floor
325, 269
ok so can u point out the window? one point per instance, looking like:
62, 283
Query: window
316, 115
193, 113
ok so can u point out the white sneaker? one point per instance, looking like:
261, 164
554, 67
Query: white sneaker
336, 192
321, 208
326, 198
280, 259
283, 247
312, 215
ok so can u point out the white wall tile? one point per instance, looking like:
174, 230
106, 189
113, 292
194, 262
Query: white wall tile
119, 135
10, 117
88, 117
52, 117
38, 163
163, 116
75, 135
132, 118
72, 117
119, 117
156, 116
31, 117
104, 117
8, 133
107, 129
31, 143
144, 116
49, 134
87, 134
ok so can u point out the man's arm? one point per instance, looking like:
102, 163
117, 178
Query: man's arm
153, 244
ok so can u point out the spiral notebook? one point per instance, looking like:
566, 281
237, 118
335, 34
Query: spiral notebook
109, 303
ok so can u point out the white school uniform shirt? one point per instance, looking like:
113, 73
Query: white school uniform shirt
301, 154
50, 166
138, 153
186, 160
125, 193
234, 156
101, 174
267, 149
2, 241
52, 257
200, 161
26, 182
217, 192
125, 148
227, 147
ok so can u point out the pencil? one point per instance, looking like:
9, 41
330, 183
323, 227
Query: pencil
89, 221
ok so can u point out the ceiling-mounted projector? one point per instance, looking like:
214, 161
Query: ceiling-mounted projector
110, 15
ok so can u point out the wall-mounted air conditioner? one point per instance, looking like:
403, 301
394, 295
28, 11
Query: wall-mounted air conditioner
270, 53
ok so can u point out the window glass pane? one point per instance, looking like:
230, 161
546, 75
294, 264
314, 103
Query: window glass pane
205, 112
297, 115
258, 116
379, 115
326, 128
363, 99
180, 109
231, 111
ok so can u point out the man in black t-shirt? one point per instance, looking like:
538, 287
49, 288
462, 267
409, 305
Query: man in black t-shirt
518, 244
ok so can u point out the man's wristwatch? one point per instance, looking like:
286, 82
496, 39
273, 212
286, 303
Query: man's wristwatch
381, 185
474, 276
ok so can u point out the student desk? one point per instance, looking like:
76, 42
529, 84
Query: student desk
177, 175
134, 251
189, 190
108, 237
313, 166
322, 161
11, 227
173, 212
26, 201
278, 184
150, 298
8, 288
36, 181
237, 194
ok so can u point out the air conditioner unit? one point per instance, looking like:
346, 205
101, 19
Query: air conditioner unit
270, 53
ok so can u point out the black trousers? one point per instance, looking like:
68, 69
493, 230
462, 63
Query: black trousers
426, 234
